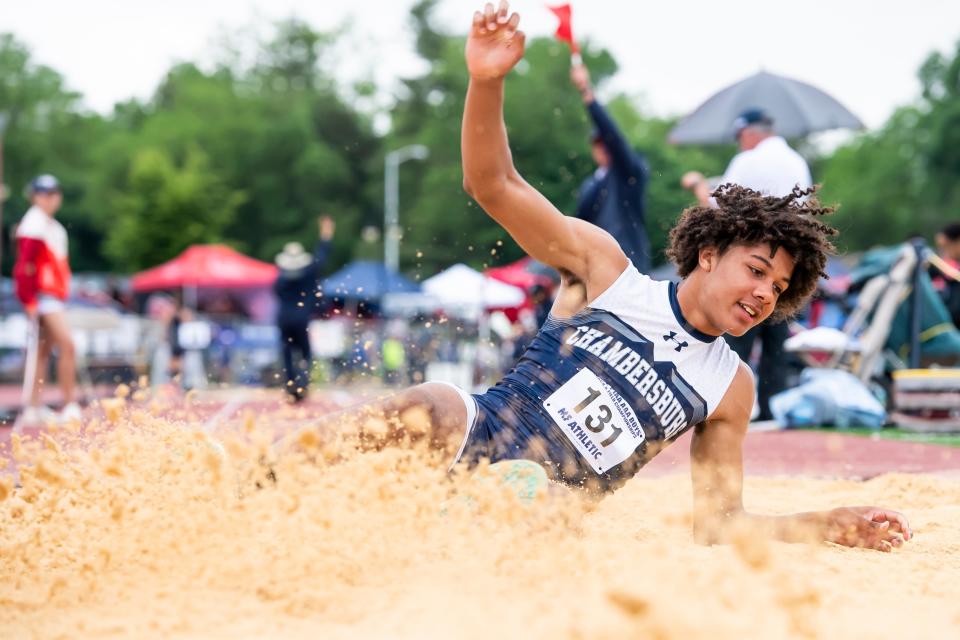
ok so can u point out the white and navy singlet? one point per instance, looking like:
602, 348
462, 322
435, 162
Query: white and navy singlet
597, 395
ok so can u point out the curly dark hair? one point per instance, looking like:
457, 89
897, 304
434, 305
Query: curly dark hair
746, 217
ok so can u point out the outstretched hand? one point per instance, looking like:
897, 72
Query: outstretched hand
494, 45
691, 179
326, 227
869, 527
580, 77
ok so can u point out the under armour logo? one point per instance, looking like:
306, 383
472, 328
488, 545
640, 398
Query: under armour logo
672, 337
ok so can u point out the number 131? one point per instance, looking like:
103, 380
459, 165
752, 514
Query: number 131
597, 424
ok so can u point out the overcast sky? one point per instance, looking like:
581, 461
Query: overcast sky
672, 55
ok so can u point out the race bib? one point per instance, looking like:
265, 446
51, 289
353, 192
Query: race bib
596, 419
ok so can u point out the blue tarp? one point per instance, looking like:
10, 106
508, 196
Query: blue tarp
365, 281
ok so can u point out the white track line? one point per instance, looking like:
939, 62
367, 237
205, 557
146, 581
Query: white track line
231, 406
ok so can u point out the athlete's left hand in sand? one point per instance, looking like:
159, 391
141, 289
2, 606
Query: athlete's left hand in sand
869, 527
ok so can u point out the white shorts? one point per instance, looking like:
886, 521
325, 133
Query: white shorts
471, 406
49, 304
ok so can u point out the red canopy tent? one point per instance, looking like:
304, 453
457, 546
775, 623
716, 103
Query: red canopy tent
520, 274
207, 265
524, 274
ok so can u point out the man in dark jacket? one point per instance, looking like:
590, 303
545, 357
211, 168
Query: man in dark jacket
613, 197
298, 295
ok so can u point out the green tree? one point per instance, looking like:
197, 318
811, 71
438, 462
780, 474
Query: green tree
939, 123
878, 181
47, 132
905, 178
165, 208
277, 130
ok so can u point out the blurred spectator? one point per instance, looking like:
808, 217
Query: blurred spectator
394, 360
224, 305
119, 294
42, 276
297, 293
180, 315
160, 308
422, 348
767, 164
542, 300
948, 247
613, 197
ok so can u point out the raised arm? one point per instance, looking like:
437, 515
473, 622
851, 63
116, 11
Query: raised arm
696, 183
717, 473
321, 252
494, 46
623, 158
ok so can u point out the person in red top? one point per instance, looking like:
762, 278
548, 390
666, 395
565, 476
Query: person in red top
42, 279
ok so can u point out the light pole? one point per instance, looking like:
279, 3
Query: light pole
391, 200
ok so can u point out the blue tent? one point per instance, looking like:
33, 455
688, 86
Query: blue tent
365, 281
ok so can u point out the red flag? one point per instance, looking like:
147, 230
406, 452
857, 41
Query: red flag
565, 29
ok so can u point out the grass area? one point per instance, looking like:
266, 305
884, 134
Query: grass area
894, 433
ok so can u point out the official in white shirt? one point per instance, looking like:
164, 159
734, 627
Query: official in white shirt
767, 164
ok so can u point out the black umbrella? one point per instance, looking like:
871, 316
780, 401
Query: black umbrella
797, 109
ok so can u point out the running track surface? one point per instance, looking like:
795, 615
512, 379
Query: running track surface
769, 453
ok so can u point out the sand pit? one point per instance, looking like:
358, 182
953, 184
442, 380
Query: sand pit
142, 529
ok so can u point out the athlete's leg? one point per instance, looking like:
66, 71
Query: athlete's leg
56, 328
289, 360
44, 346
304, 362
432, 410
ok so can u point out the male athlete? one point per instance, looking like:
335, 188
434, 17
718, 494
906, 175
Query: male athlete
624, 365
